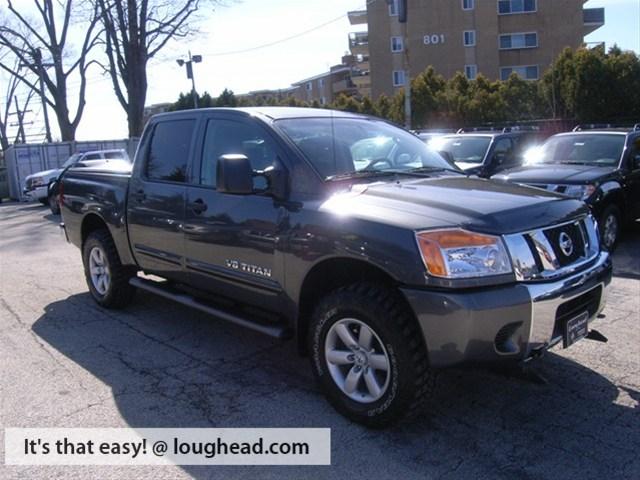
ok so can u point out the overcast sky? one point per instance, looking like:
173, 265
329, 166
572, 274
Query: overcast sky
250, 23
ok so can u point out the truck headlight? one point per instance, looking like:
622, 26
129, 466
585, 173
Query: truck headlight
459, 253
580, 191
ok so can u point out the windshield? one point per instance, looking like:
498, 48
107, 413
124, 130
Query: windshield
463, 149
350, 146
597, 149
71, 160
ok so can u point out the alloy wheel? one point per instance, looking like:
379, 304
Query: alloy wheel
99, 270
357, 360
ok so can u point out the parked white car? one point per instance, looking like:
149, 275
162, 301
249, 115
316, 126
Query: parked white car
36, 185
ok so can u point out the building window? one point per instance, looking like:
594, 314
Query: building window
323, 100
397, 44
393, 8
309, 86
518, 40
469, 37
506, 7
398, 78
471, 71
468, 4
528, 72
321, 83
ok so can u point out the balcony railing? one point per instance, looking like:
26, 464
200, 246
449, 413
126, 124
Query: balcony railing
343, 86
593, 16
360, 39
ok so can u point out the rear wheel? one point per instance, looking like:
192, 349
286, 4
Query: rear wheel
53, 204
368, 355
610, 227
107, 278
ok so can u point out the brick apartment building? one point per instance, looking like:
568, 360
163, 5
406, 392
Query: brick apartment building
492, 37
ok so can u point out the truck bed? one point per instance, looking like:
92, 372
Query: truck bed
100, 191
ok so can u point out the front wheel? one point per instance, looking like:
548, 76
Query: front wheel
107, 278
368, 355
610, 227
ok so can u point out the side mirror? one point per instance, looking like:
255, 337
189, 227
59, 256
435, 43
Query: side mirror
234, 175
276, 182
635, 162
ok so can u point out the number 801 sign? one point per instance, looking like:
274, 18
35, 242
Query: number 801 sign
434, 39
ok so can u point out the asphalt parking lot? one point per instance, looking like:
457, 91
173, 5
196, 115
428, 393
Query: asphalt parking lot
64, 362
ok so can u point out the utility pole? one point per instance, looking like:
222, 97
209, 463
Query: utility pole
20, 124
189, 65
37, 59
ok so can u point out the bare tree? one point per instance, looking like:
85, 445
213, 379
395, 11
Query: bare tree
8, 102
31, 39
135, 31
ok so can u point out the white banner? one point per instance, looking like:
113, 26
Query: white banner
167, 446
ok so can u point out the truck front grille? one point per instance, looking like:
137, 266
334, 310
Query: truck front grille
554, 251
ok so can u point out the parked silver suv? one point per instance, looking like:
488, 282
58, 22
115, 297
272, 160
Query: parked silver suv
36, 185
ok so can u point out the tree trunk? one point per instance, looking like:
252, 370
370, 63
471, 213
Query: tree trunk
136, 95
67, 129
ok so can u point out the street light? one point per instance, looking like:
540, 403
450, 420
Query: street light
189, 64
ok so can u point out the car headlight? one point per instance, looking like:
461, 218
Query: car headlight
459, 253
580, 191
37, 181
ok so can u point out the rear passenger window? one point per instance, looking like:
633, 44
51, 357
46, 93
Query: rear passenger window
169, 151
224, 137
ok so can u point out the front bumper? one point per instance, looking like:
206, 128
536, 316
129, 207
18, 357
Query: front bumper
36, 193
506, 323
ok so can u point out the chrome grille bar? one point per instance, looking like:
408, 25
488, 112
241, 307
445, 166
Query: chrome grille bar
534, 258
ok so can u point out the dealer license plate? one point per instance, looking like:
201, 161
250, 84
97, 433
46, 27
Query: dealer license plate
576, 329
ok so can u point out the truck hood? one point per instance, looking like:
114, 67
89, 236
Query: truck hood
554, 174
475, 204
47, 174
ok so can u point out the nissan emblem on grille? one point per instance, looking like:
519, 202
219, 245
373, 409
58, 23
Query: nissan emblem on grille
566, 244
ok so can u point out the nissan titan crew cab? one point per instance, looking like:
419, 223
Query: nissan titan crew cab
381, 259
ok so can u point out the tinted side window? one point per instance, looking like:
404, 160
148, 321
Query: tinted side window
92, 156
169, 151
224, 137
503, 146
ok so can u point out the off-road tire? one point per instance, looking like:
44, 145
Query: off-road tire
120, 292
412, 381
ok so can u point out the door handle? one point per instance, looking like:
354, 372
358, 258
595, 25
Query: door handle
198, 206
139, 196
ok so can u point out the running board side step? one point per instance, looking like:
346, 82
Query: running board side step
157, 288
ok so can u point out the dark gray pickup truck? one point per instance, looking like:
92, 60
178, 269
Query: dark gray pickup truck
381, 259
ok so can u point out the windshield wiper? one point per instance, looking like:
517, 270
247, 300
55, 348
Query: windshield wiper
434, 169
362, 174
387, 173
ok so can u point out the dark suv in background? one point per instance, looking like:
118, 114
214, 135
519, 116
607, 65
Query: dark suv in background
486, 152
600, 166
